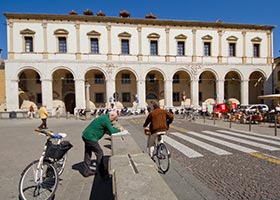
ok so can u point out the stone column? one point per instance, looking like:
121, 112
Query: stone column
194, 45
194, 92
45, 39
109, 54
220, 90
78, 53
88, 113
141, 92
244, 61
167, 57
168, 93
11, 41
47, 94
110, 89
244, 92
12, 94
80, 94
269, 49
140, 55
220, 33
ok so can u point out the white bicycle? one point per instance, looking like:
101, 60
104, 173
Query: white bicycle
40, 178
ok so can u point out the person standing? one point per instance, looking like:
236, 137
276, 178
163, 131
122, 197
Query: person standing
158, 122
43, 114
91, 135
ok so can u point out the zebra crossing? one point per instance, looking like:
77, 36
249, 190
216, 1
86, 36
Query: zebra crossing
252, 142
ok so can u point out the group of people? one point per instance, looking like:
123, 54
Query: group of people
157, 122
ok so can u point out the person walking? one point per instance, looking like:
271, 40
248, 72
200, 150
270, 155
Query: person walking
43, 114
157, 122
91, 135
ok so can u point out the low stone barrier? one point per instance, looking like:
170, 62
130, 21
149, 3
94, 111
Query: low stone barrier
13, 114
135, 175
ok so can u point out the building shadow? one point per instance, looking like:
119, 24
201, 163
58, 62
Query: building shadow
102, 188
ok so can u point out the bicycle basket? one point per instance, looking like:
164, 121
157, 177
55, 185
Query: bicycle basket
57, 151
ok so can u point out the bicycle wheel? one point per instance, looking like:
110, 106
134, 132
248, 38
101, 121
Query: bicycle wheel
42, 188
59, 165
163, 157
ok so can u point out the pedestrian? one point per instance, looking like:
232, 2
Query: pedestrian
91, 135
43, 114
158, 122
31, 112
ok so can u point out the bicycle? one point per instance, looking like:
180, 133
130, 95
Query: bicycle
39, 180
161, 155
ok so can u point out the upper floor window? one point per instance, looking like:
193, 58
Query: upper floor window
256, 47
125, 78
61, 36
207, 48
232, 49
124, 40
153, 38
232, 40
125, 46
94, 46
28, 44
99, 79
28, 36
181, 40
256, 50
62, 45
154, 48
181, 48
207, 45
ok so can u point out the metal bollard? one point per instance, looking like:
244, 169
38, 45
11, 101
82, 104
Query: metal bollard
250, 123
214, 120
275, 125
204, 117
230, 123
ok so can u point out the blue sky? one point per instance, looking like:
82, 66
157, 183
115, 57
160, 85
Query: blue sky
258, 12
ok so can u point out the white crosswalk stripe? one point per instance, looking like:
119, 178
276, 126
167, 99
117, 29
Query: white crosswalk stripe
254, 138
255, 144
204, 145
182, 148
221, 138
225, 143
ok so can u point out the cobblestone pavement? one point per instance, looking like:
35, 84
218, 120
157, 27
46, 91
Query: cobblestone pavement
237, 176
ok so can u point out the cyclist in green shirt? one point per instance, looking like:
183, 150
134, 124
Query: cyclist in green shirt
91, 135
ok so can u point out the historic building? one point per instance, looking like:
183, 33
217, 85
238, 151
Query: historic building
77, 57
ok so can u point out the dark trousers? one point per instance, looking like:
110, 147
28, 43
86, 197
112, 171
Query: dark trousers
44, 123
93, 147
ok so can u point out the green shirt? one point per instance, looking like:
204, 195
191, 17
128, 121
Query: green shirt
98, 127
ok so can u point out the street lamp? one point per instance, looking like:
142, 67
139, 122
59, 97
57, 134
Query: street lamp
87, 111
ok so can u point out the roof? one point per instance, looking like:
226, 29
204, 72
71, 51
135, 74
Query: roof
159, 22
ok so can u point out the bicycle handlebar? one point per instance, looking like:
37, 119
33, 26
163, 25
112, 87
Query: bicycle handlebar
51, 134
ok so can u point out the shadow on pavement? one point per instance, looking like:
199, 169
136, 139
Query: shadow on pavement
102, 186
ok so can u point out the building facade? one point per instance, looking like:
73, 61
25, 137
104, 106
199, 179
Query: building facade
73, 58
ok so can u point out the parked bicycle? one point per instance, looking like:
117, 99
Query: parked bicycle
161, 155
39, 180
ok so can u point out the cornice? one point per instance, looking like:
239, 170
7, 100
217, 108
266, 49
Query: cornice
136, 21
